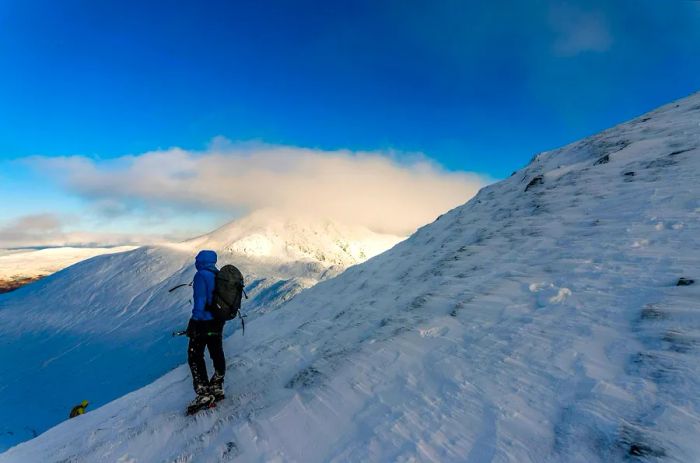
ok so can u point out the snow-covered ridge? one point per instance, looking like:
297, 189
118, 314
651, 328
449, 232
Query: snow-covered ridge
540, 322
32, 264
101, 328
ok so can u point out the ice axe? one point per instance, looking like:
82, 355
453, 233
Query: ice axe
184, 333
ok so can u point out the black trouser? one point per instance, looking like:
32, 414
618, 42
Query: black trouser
205, 334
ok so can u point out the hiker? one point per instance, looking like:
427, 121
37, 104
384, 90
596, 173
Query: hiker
78, 409
205, 332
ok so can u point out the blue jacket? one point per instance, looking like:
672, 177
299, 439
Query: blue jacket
203, 284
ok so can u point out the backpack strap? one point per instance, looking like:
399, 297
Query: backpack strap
179, 286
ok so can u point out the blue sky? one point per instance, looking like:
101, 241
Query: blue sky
473, 86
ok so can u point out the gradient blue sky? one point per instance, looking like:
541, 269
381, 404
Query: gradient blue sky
475, 86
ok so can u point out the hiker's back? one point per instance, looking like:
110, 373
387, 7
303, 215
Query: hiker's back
203, 285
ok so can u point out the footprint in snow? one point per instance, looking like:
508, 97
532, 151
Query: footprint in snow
548, 293
561, 296
433, 332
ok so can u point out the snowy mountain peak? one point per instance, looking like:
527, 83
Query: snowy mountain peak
276, 236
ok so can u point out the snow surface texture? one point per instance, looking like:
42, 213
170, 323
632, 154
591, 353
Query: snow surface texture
102, 328
28, 264
525, 326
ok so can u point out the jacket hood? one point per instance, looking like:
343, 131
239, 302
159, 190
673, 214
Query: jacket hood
205, 260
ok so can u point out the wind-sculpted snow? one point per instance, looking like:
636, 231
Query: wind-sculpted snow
525, 326
102, 328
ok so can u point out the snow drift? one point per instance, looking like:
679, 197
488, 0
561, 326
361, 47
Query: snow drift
541, 321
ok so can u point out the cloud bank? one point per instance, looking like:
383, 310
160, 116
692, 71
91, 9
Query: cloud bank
37, 228
373, 189
53, 230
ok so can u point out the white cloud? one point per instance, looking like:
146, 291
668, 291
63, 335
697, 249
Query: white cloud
577, 31
35, 227
366, 188
51, 230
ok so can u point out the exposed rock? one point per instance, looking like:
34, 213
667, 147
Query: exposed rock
539, 180
10, 285
603, 160
677, 152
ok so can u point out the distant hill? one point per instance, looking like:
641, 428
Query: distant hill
20, 267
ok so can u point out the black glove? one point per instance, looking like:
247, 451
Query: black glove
191, 330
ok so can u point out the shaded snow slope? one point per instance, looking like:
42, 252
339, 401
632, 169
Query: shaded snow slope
525, 326
102, 328
32, 264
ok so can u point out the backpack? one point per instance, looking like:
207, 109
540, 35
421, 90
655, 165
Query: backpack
228, 292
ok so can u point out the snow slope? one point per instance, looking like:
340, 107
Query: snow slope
102, 328
32, 264
539, 322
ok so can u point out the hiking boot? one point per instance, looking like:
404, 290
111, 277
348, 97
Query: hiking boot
217, 392
216, 387
201, 401
201, 389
